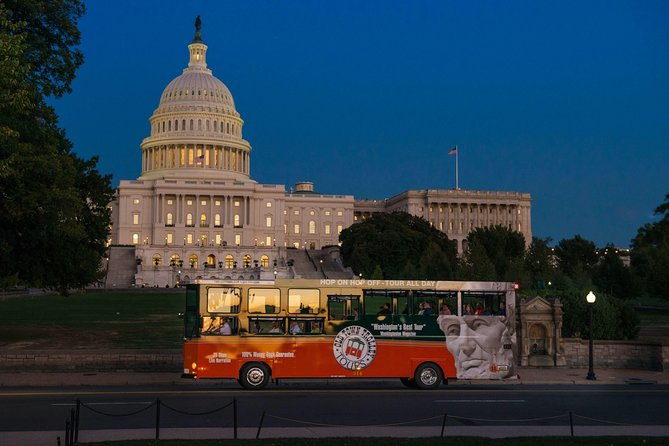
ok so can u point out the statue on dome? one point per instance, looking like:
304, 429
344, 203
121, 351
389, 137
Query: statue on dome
198, 26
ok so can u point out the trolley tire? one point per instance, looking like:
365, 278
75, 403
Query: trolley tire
254, 375
428, 375
409, 382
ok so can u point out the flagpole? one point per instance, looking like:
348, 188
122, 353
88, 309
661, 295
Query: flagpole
456, 168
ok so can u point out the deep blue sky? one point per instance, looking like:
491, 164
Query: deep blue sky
566, 100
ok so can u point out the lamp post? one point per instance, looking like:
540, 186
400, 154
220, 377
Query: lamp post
591, 300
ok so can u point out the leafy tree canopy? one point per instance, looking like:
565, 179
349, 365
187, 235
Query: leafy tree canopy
499, 246
53, 216
398, 244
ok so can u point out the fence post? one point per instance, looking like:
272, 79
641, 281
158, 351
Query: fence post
443, 424
234, 417
72, 426
76, 422
67, 432
571, 422
260, 425
157, 418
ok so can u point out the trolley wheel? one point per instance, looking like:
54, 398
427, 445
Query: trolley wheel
254, 375
409, 382
428, 376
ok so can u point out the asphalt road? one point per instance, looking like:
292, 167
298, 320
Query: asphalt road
314, 404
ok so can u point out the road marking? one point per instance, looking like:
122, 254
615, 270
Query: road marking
479, 401
105, 404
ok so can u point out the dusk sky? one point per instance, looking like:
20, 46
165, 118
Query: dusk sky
568, 101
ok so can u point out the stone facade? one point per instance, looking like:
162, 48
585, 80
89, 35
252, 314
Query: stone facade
540, 326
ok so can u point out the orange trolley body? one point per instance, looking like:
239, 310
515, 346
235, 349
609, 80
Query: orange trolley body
256, 331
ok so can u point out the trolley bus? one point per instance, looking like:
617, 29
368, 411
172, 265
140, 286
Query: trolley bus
422, 332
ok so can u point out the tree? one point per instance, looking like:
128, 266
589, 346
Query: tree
650, 253
538, 265
576, 257
393, 241
502, 247
612, 276
53, 204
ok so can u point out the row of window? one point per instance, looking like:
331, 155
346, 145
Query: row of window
213, 93
166, 126
229, 325
344, 307
228, 261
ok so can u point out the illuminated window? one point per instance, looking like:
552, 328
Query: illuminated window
135, 219
312, 227
217, 203
229, 261
305, 301
237, 204
237, 221
217, 239
203, 202
297, 212
296, 228
169, 238
169, 220
327, 228
135, 201
203, 220
238, 239
339, 229
268, 240
189, 238
217, 220
268, 204
169, 201
264, 261
189, 219
327, 213
135, 239
268, 221
340, 213
189, 202
247, 261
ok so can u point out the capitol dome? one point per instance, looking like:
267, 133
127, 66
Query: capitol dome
196, 130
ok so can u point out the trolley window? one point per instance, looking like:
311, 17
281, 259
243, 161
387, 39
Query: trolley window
303, 301
223, 300
264, 300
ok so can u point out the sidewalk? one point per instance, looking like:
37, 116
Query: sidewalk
527, 375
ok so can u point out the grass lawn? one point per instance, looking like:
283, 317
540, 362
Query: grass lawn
114, 320
460, 441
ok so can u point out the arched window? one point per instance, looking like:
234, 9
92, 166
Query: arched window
208, 125
199, 124
229, 261
192, 261
189, 219
264, 261
174, 260
237, 223
169, 220
216, 126
203, 220
211, 260
163, 126
176, 125
156, 260
312, 227
217, 220
191, 124
183, 124
247, 261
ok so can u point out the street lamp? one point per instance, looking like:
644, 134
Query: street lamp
275, 272
591, 300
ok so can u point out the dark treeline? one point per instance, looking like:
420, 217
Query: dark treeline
389, 246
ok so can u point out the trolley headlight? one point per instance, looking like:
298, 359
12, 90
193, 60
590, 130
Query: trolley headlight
194, 366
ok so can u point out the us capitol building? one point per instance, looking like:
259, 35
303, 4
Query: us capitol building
196, 212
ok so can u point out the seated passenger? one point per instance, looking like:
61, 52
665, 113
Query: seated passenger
295, 328
275, 328
316, 327
445, 310
427, 309
384, 309
225, 327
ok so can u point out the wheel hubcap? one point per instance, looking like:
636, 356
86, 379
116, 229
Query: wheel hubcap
255, 376
428, 377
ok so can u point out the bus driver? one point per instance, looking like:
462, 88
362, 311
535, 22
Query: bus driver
482, 346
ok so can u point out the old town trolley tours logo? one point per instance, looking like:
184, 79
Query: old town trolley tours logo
354, 347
